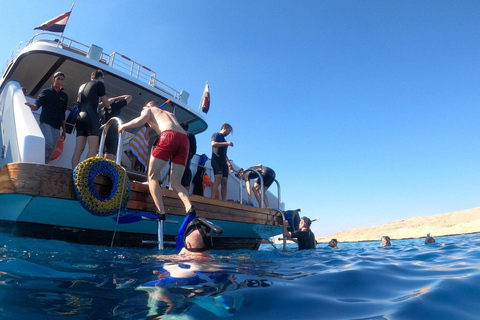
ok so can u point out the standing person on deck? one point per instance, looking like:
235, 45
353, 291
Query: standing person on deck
220, 162
107, 113
304, 236
88, 126
54, 102
187, 174
268, 176
173, 145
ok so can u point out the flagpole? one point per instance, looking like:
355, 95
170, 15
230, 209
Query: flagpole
61, 36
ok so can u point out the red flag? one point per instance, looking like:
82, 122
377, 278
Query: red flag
206, 98
56, 24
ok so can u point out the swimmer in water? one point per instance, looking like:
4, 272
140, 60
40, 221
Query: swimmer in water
386, 241
333, 244
198, 239
429, 239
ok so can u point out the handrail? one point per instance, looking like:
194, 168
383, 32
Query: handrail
262, 204
115, 60
105, 127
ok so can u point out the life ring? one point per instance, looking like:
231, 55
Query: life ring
293, 219
58, 149
83, 176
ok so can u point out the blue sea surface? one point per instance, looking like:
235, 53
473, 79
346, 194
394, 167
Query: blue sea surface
42, 279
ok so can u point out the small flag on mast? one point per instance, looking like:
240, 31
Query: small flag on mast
56, 24
205, 103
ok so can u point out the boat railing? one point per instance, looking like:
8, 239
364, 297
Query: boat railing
105, 127
262, 203
115, 60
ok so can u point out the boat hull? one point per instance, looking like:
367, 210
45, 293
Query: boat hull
39, 201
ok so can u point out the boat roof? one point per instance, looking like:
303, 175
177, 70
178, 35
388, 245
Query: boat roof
33, 64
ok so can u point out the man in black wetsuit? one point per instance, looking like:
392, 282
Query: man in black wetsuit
87, 121
220, 162
305, 237
187, 174
268, 176
54, 102
105, 114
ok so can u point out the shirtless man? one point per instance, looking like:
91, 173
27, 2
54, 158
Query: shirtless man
173, 145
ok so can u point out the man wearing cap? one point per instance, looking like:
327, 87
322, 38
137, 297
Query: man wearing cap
54, 102
304, 236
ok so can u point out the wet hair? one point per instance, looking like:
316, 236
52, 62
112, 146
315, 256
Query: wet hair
333, 243
227, 126
153, 102
307, 222
386, 238
97, 74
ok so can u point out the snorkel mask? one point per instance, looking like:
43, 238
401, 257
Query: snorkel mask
203, 226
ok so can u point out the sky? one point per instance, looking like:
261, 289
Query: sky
367, 110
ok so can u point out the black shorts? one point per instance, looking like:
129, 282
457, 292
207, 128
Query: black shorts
220, 168
268, 178
87, 123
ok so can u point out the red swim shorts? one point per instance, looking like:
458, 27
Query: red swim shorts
172, 146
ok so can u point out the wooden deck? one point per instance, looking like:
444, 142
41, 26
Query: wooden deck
50, 181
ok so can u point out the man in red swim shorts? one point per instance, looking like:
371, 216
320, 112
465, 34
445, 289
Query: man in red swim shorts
173, 145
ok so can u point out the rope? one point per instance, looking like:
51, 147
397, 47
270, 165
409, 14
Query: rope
119, 208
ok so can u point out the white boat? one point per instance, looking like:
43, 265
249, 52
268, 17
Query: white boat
38, 200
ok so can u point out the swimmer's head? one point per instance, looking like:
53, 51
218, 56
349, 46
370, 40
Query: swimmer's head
333, 243
386, 241
197, 235
306, 222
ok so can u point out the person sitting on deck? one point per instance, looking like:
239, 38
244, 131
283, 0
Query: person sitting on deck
304, 236
386, 241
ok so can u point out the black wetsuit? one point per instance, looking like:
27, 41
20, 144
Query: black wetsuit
219, 156
306, 239
267, 173
187, 174
111, 141
87, 120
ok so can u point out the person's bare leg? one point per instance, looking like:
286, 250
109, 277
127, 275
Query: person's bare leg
217, 180
92, 146
175, 181
223, 192
79, 147
154, 169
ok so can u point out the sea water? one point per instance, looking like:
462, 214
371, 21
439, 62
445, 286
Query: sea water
43, 279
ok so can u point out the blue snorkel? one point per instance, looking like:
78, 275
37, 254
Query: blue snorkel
165, 103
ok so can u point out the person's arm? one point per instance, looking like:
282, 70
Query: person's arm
230, 164
104, 102
137, 122
221, 144
287, 234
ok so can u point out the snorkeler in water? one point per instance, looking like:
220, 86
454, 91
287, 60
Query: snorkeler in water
386, 241
333, 244
429, 239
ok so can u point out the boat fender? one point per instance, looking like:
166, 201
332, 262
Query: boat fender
84, 175
293, 218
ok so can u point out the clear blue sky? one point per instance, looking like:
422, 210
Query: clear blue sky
368, 111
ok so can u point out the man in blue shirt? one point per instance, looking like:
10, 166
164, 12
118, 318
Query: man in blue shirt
54, 102
220, 163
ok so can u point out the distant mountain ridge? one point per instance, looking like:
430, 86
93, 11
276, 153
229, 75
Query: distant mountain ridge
454, 223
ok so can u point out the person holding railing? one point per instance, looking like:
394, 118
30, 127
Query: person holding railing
107, 113
268, 176
173, 146
305, 237
54, 102
87, 125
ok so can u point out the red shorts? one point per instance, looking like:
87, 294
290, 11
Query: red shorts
172, 146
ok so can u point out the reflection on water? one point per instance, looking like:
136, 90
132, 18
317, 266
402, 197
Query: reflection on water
52, 280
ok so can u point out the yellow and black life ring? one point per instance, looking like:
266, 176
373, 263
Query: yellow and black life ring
84, 175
